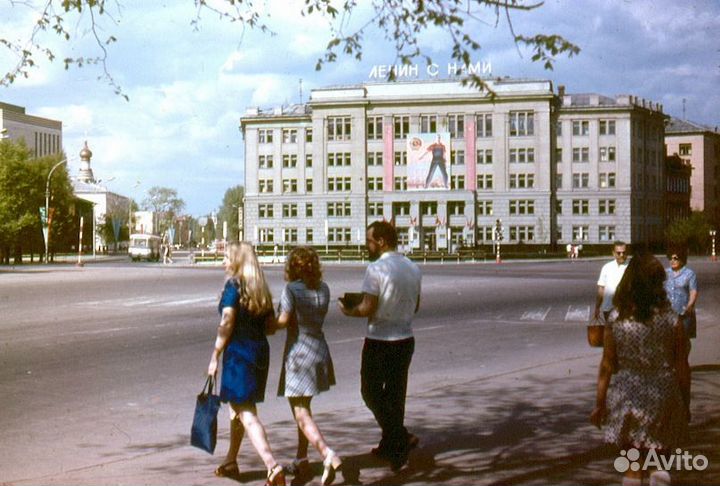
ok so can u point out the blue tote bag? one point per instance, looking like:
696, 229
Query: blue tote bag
204, 426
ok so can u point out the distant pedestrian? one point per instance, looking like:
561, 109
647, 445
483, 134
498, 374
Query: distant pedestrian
247, 314
610, 276
682, 290
307, 365
643, 389
391, 297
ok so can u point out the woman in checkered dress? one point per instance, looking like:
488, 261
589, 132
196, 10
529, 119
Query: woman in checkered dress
307, 365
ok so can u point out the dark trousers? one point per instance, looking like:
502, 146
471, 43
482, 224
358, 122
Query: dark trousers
383, 378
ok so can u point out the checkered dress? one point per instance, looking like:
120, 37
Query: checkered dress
307, 365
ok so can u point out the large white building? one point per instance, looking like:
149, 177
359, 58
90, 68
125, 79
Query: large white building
42, 136
555, 168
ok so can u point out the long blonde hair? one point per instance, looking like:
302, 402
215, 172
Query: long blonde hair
245, 268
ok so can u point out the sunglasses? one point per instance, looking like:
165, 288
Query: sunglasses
675, 257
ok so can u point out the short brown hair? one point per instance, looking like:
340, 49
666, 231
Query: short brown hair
303, 264
386, 231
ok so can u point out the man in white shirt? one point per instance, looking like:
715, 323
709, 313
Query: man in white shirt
391, 297
610, 276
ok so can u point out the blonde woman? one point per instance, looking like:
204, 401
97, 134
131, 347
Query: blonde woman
247, 312
307, 365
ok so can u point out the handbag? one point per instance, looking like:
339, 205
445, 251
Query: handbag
204, 427
595, 333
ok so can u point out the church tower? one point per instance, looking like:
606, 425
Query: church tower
86, 173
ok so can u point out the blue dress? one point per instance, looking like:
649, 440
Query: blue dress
247, 355
678, 286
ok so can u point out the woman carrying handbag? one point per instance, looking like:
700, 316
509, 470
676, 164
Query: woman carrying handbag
246, 315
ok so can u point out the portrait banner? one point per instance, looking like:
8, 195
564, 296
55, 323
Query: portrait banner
428, 161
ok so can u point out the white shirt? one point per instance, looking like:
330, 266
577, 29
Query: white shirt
396, 282
610, 277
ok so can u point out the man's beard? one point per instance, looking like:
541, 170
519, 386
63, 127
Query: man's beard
373, 255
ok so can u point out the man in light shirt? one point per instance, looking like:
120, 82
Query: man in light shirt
391, 297
610, 276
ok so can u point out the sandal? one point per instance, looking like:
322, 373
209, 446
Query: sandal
330, 471
228, 470
276, 476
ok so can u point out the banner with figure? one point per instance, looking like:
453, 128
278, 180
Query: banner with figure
428, 161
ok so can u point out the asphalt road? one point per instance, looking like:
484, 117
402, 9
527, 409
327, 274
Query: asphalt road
101, 362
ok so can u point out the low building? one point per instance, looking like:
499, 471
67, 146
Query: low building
42, 136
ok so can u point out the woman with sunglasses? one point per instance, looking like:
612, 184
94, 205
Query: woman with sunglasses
682, 290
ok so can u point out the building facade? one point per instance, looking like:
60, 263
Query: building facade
552, 168
677, 188
42, 136
698, 146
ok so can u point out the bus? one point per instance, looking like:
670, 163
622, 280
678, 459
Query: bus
145, 247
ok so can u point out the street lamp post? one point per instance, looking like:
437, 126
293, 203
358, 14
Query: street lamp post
47, 208
712, 235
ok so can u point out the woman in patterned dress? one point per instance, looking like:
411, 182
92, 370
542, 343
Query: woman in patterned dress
644, 379
247, 314
307, 365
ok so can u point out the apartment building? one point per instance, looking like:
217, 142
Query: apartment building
553, 168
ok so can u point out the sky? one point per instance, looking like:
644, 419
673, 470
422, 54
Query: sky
189, 85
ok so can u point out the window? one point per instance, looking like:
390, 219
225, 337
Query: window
374, 128
606, 233
456, 126
308, 210
485, 156
558, 128
456, 208
580, 206
581, 180
265, 185
581, 127
522, 156
428, 208
309, 235
400, 208
265, 161
402, 126
521, 123
290, 210
484, 181
308, 160
265, 135
558, 155
401, 158
266, 235
308, 185
606, 206
339, 235
289, 135
374, 158
308, 135
483, 125
607, 127
521, 206
339, 128
485, 208
291, 235
266, 211
375, 184
428, 123
457, 182
289, 186
289, 161
558, 181
339, 159
607, 179
580, 233
558, 206
522, 181
400, 183
457, 157
338, 209
337, 184
607, 154
685, 149
522, 233
375, 209
581, 154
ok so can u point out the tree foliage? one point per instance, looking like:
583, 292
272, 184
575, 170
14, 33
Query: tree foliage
166, 205
693, 233
228, 211
402, 23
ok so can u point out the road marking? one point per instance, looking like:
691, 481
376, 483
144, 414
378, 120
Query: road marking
185, 301
578, 313
535, 315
